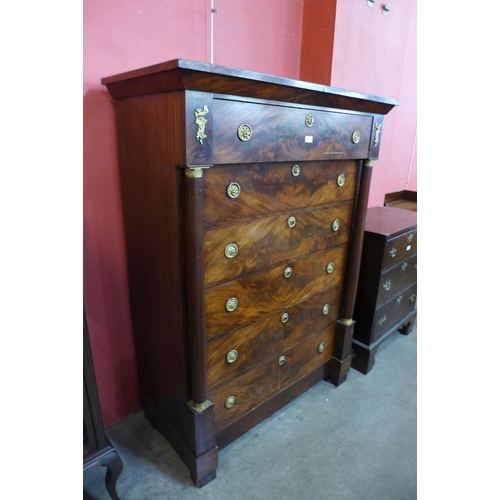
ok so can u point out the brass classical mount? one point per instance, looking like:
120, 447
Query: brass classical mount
378, 128
200, 407
201, 122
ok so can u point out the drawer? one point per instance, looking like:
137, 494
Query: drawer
232, 250
252, 132
397, 278
261, 189
399, 248
237, 352
393, 311
259, 384
251, 298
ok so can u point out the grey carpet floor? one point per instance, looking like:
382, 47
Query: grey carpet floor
353, 442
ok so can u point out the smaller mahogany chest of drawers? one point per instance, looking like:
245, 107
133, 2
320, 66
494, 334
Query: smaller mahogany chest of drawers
387, 287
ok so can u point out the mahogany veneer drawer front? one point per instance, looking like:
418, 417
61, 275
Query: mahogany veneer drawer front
278, 133
269, 188
387, 287
244, 197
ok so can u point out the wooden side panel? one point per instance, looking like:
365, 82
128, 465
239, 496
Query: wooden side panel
149, 146
280, 133
267, 241
269, 188
269, 291
269, 337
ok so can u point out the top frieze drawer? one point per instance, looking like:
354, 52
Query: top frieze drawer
251, 132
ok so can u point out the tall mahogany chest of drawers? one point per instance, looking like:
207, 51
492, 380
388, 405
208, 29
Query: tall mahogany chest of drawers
387, 287
244, 199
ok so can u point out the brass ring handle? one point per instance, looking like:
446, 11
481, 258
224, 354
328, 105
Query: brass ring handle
296, 170
382, 319
281, 360
336, 225
326, 309
231, 250
284, 317
232, 356
309, 120
230, 402
231, 304
330, 267
341, 180
233, 190
387, 285
356, 136
292, 221
321, 347
288, 272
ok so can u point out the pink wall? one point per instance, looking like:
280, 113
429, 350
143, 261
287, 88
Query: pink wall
372, 54
121, 35
376, 54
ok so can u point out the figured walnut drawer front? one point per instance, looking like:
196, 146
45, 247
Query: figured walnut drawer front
251, 298
268, 188
237, 352
244, 393
400, 248
249, 132
393, 311
397, 278
239, 248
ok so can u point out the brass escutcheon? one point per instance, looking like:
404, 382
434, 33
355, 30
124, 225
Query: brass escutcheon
356, 136
404, 266
292, 221
381, 320
393, 252
336, 225
282, 360
309, 120
387, 285
341, 180
232, 356
233, 190
230, 402
244, 132
326, 309
284, 317
231, 250
321, 347
296, 170
330, 267
288, 272
231, 304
